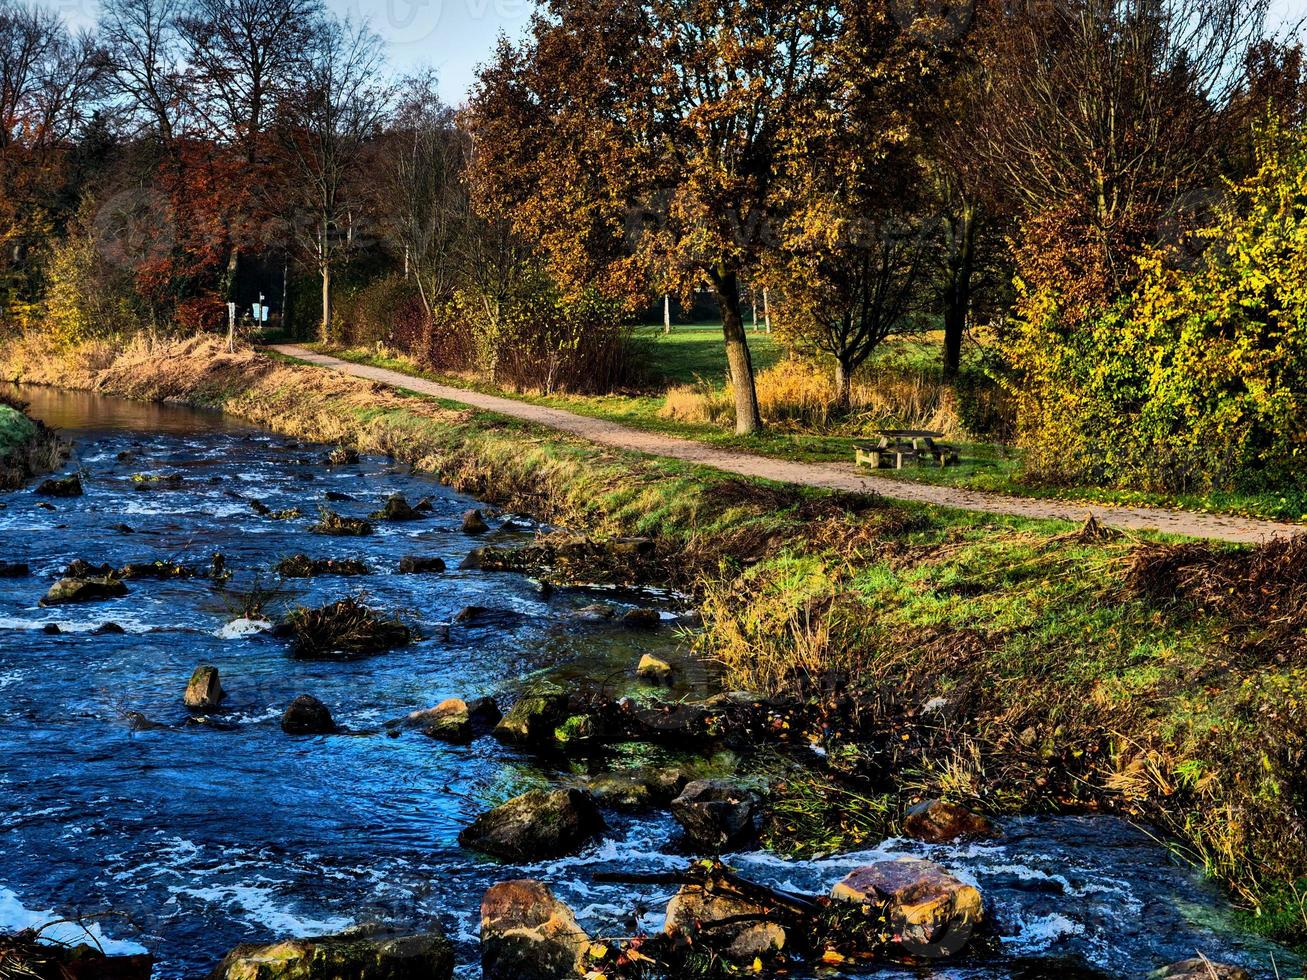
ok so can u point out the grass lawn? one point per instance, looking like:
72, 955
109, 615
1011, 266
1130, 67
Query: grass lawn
694, 353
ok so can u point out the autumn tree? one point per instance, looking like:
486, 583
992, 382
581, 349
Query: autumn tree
50, 81
343, 100
646, 141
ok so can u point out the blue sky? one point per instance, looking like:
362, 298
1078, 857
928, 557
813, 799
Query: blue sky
453, 36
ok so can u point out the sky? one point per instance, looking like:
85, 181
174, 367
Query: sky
455, 36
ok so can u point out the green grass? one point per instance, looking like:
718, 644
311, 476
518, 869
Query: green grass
695, 353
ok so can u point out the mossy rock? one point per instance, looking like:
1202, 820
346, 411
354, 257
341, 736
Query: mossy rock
363, 955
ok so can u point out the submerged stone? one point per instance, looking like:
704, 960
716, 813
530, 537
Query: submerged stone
716, 814
63, 486
653, 669
1200, 968
732, 925
938, 821
204, 690
532, 720
397, 508
418, 565
308, 716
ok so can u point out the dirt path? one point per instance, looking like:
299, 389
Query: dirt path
831, 476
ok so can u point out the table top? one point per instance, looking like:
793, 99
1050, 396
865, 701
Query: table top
910, 433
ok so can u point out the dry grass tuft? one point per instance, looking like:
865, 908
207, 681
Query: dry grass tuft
1266, 585
344, 630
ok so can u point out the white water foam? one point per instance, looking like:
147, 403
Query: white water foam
15, 917
257, 906
239, 629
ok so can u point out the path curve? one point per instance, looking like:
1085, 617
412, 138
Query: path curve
830, 476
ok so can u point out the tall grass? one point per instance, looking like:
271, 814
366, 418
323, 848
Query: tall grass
802, 395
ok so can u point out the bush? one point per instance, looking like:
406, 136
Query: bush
1197, 379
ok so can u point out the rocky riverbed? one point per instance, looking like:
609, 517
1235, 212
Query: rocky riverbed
183, 809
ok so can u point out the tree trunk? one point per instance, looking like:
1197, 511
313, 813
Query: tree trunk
957, 301
843, 385
326, 304
667, 313
748, 419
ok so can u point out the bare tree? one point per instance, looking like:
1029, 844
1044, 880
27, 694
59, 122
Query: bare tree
144, 46
426, 199
344, 97
1103, 112
244, 55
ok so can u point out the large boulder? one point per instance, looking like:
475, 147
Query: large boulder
937, 822
204, 690
1200, 968
717, 814
307, 716
362, 954
538, 824
72, 590
527, 934
734, 926
932, 912
474, 523
533, 719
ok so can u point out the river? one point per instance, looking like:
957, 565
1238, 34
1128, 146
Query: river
189, 839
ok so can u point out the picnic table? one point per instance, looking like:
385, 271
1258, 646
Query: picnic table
898, 446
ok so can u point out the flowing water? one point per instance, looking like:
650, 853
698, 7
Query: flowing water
189, 839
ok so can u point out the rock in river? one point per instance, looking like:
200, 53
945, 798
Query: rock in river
361, 954
307, 716
455, 720
733, 925
419, 565
930, 910
937, 822
653, 669
538, 824
70, 590
474, 523
204, 690
717, 814
527, 934
533, 719
63, 486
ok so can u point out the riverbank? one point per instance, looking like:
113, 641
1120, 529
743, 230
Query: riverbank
1007, 664
28, 449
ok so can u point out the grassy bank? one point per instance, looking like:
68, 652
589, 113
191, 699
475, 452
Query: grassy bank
27, 448
1008, 664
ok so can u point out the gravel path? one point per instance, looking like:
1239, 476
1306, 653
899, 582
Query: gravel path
831, 476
